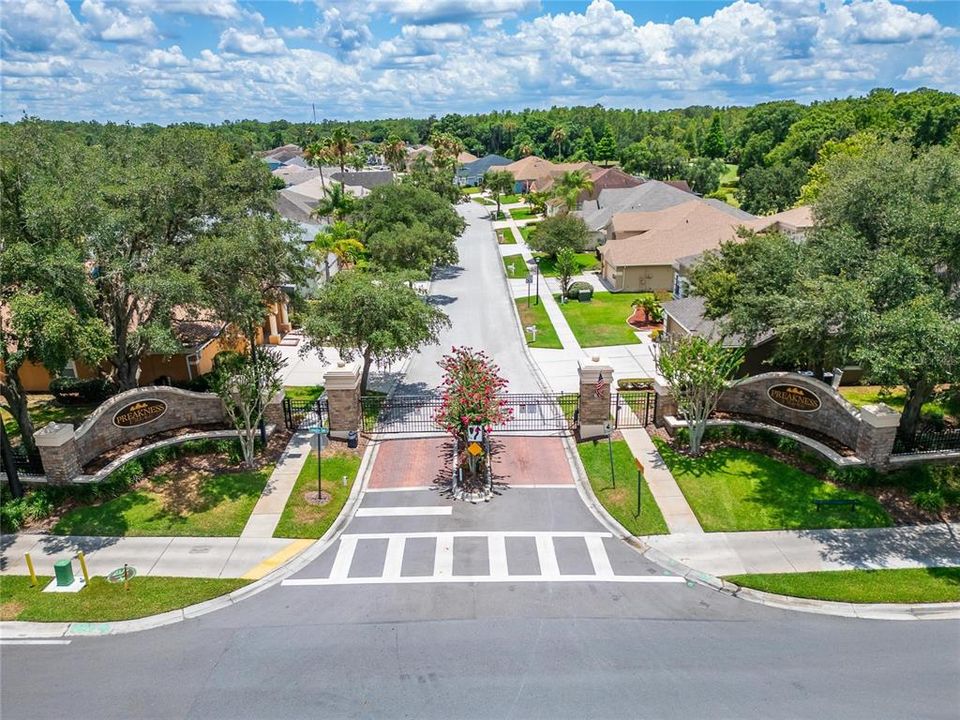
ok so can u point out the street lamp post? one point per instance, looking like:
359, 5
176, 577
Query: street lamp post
319, 430
537, 292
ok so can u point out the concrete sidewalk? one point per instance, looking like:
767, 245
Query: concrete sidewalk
787, 551
673, 505
266, 513
209, 557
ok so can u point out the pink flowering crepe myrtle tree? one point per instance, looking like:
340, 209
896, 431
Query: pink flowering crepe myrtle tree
472, 395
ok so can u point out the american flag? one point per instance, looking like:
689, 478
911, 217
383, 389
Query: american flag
598, 388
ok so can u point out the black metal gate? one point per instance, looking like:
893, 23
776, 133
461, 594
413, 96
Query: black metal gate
305, 413
928, 439
633, 409
529, 412
27, 463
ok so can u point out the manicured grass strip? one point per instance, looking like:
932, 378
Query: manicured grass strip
525, 231
506, 237
731, 489
510, 199
307, 393
482, 200
516, 266
300, 519
471, 190
942, 403
915, 585
585, 261
522, 213
621, 501
603, 320
537, 315
104, 602
216, 506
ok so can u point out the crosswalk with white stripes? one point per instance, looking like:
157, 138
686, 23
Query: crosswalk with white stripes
462, 557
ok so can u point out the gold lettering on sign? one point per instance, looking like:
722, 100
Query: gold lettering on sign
794, 397
140, 412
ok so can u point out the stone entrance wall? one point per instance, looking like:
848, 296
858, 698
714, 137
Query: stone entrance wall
129, 416
805, 403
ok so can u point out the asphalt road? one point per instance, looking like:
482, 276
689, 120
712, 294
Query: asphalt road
540, 648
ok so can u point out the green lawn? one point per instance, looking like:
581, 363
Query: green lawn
522, 213
516, 266
471, 190
104, 602
585, 261
918, 585
621, 501
44, 409
942, 403
300, 519
506, 237
525, 231
537, 315
603, 320
217, 505
307, 393
510, 199
483, 200
733, 490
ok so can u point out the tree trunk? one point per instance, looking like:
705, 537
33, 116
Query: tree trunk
9, 466
498, 206
126, 370
15, 395
365, 375
916, 396
696, 431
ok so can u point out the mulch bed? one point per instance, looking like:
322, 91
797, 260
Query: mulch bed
832, 443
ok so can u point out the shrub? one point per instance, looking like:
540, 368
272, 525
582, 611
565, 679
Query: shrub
787, 445
200, 383
74, 390
655, 334
934, 417
573, 292
929, 500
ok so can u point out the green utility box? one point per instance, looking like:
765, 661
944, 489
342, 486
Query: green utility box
64, 572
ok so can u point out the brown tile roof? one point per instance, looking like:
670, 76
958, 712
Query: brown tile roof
659, 238
798, 218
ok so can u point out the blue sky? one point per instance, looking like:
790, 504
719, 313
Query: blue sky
212, 60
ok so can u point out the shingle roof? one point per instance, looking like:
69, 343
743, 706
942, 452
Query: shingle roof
660, 237
690, 313
368, 179
798, 218
481, 165
650, 196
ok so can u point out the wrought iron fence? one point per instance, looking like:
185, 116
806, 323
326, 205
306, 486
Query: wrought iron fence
633, 408
25, 462
417, 413
305, 413
928, 439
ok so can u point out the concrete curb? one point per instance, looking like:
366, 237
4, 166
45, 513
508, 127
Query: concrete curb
21, 630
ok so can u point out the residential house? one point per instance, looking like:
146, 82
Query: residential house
611, 178
533, 173
641, 247
471, 173
366, 179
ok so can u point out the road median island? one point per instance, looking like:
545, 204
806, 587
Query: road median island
534, 314
102, 601
911, 585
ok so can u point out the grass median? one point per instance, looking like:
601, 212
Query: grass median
620, 498
537, 315
102, 601
303, 519
734, 490
516, 267
915, 585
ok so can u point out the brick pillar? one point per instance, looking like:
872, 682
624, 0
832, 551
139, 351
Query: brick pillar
273, 411
57, 444
594, 411
666, 403
343, 397
878, 430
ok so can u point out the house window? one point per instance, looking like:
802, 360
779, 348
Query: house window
69, 370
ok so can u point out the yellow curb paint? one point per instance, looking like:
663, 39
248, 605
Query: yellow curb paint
277, 559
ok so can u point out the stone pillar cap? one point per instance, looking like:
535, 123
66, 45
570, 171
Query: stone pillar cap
346, 376
53, 435
880, 416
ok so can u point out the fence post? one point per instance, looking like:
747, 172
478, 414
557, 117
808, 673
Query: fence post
878, 432
664, 403
594, 410
57, 444
342, 386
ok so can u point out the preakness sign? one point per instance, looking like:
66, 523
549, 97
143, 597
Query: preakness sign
794, 397
139, 413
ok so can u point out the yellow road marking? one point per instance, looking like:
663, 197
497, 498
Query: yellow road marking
277, 559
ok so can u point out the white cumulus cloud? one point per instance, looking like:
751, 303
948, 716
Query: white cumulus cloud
239, 42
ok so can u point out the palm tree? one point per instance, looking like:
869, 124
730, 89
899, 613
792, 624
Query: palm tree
571, 185
446, 149
338, 203
509, 127
317, 153
526, 148
340, 239
559, 135
394, 152
341, 145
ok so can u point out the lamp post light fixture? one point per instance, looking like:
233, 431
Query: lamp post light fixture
319, 430
537, 292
